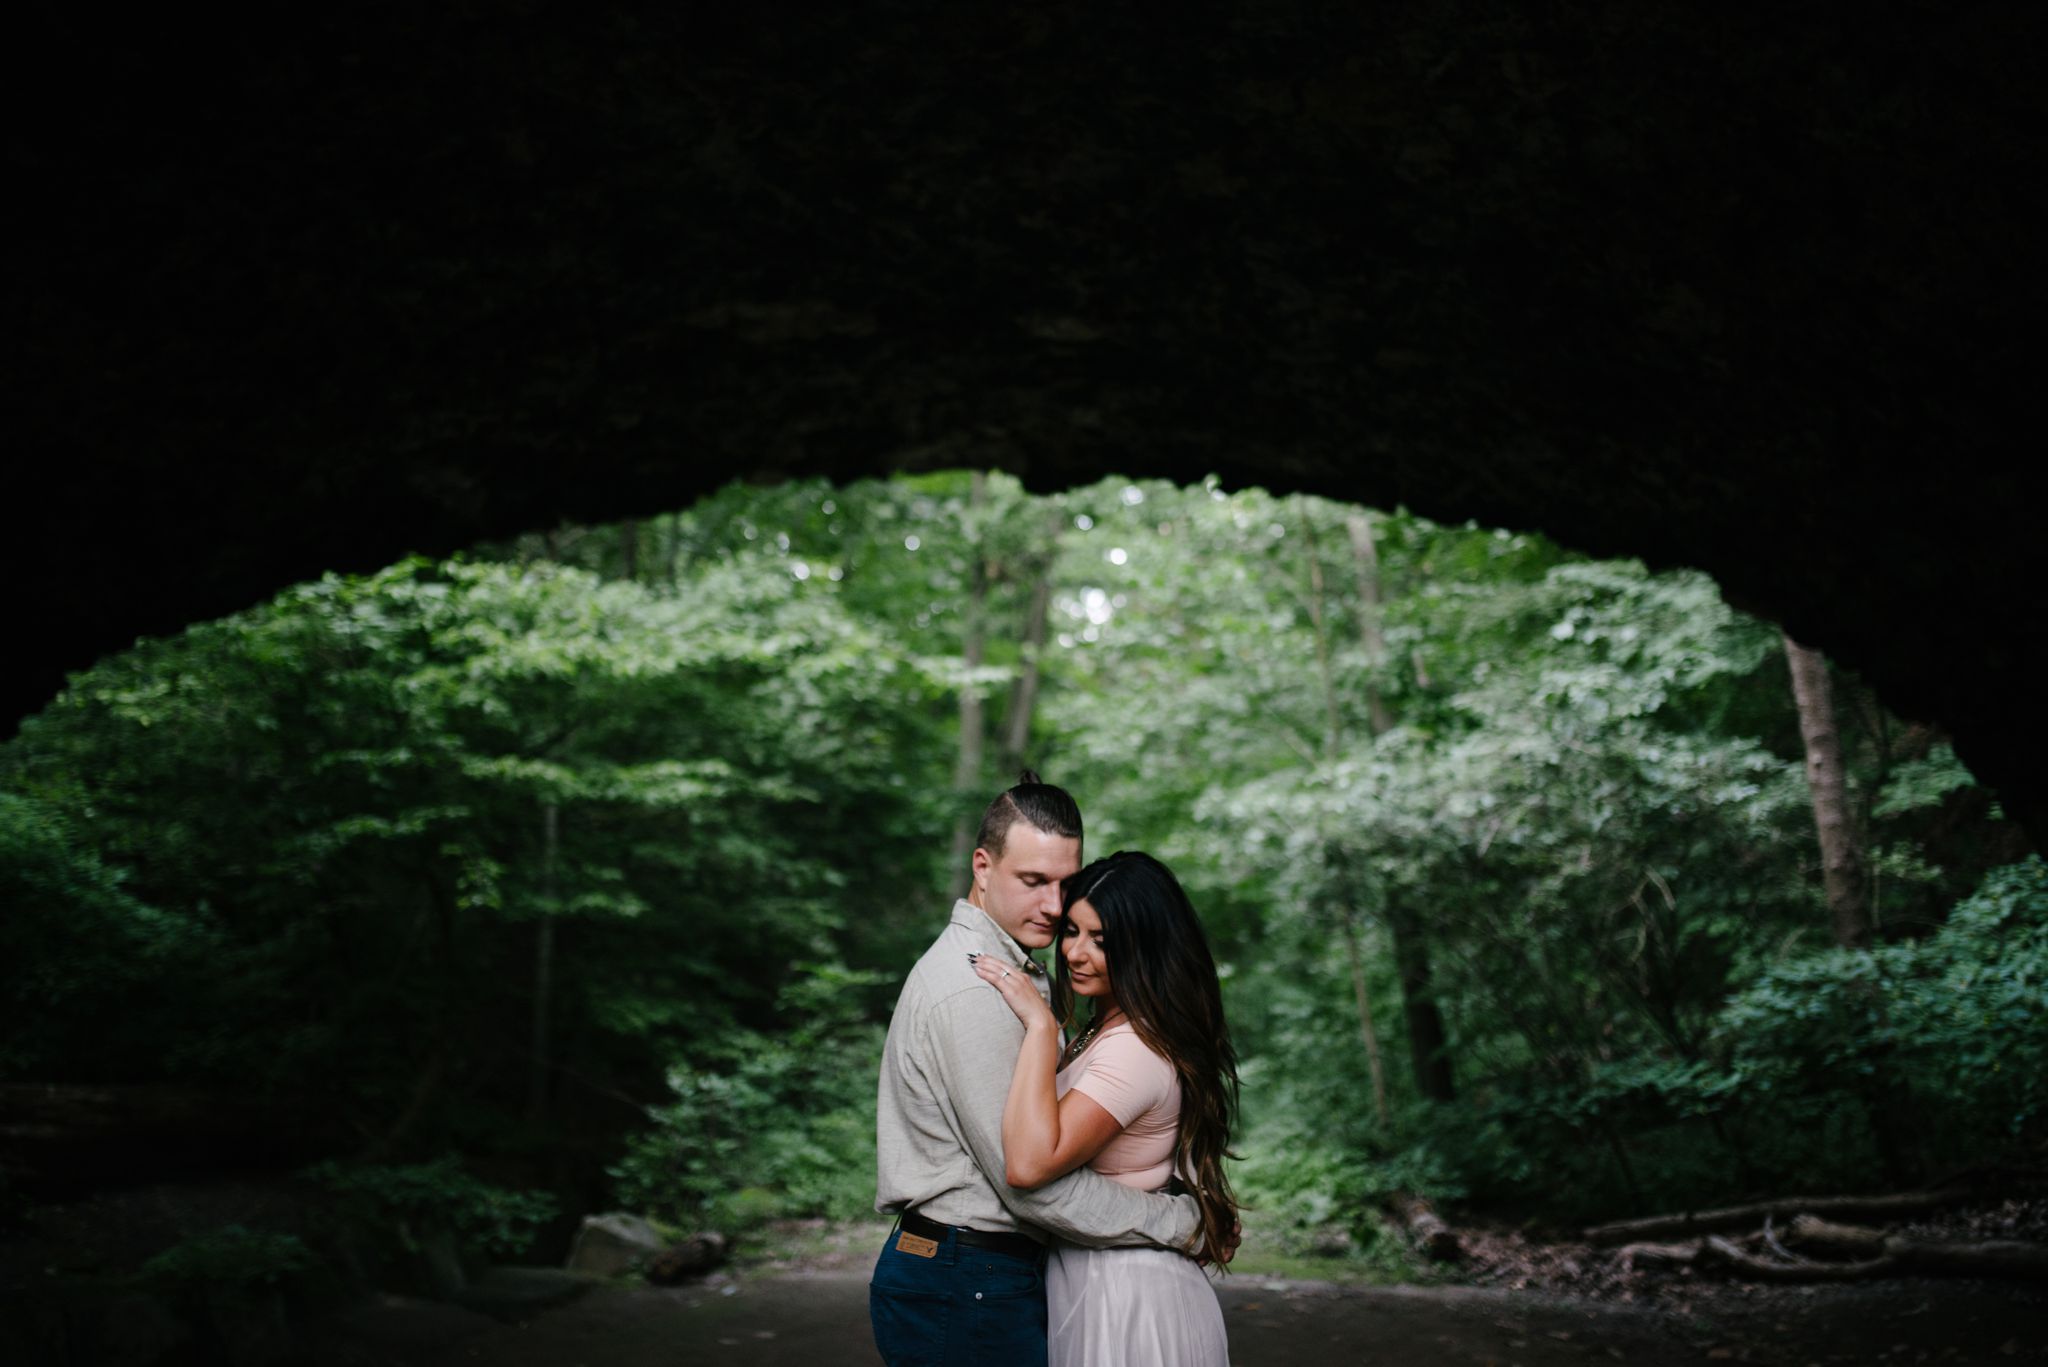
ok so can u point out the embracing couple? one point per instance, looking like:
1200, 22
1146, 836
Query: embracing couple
1057, 1173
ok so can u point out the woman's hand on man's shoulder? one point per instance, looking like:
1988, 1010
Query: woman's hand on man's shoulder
1019, 992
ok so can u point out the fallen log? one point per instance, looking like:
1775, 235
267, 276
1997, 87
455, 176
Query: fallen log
1810, 1231
1877, 1255
1742, 1217
1426, 1228
1658, 1255
1991, 1258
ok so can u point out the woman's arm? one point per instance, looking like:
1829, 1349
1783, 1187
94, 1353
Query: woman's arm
1044, 1136
969, 1033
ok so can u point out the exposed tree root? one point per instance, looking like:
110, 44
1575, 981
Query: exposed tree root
1747, 1216
1871, 1253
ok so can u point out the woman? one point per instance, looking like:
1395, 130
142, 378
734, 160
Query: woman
1144, 1095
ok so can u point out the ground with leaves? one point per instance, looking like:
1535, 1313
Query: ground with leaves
804, 1302
806, 1317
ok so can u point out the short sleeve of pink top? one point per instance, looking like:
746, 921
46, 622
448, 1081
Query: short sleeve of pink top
1124, 1077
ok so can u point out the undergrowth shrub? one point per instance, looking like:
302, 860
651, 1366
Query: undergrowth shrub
230, 1257
763, 1126
1839, 1069
409, 1200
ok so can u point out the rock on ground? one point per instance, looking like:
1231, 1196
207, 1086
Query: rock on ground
607, 1245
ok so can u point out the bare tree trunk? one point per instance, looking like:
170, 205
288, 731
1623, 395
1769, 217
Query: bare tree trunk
1366, 1032
1333, 740
1365, 564
544, 962
426, 1083
1016, 729
1827, 780
629, 548
1428, 1046
1332, 730
1428, 1042
967, 766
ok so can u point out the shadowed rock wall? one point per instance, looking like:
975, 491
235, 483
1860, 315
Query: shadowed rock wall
1754, 289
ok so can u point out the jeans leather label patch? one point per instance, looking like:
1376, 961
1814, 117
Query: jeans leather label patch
907, 1242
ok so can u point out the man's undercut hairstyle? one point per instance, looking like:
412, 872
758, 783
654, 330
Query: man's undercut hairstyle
1043, 806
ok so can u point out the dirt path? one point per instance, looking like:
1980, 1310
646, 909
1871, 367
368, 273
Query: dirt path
787, 1319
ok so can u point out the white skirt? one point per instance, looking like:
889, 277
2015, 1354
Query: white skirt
1131, 1307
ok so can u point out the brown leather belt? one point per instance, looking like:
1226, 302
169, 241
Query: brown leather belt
1016, 1245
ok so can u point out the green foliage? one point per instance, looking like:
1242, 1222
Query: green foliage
1588, 811
1899, 1025
339, 849
409, 1198
1833, 1069
1299, 1179
231, 1257
312, 834
1299, 1190
1922, 783
770, 1125
1547, 798
82, 961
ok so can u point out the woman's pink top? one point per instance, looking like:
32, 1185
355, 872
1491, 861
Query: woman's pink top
1124, 1077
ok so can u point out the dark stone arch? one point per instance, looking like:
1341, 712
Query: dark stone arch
1752, 290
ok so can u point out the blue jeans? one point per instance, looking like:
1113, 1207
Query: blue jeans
962, 1306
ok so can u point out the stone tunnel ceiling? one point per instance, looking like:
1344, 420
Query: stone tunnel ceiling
1754, 289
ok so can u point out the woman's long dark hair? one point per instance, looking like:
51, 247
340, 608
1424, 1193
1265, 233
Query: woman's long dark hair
1164, 978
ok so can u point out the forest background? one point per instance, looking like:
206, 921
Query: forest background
581, 871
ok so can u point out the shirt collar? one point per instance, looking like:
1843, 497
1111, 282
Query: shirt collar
965, 913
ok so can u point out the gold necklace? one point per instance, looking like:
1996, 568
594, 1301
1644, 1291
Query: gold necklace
1084, 1039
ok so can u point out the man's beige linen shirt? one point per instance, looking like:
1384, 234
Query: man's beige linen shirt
946, 1068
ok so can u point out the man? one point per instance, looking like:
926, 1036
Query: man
960, 1279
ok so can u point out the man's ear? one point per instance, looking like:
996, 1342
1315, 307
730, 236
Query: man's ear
982, 864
